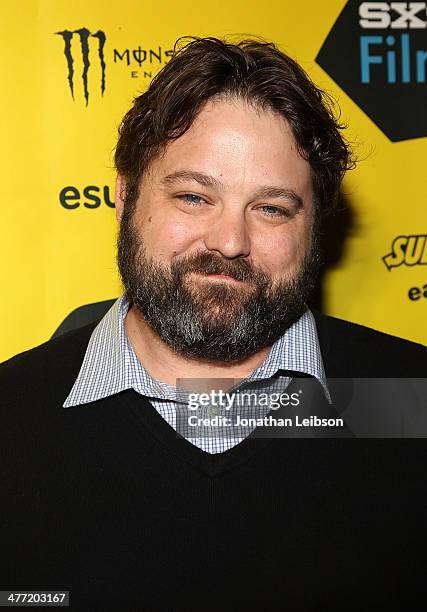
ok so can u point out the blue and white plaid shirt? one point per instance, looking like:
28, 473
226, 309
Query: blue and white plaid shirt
110, 366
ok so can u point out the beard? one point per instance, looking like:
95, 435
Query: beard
210, 320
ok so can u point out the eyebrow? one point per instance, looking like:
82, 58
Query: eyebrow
267, 191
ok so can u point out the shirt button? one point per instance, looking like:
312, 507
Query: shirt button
213, 412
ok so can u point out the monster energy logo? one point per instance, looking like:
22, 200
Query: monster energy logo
84, 35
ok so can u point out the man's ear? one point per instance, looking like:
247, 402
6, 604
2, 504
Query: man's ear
120, 196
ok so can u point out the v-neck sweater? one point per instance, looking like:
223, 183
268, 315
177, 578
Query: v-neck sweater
104, 500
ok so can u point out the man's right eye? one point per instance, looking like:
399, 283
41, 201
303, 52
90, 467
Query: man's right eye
192, 199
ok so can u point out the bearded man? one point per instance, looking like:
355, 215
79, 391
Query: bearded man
226, 165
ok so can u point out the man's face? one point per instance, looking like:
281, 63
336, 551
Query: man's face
219, 255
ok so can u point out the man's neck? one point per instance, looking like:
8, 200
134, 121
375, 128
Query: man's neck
164, 364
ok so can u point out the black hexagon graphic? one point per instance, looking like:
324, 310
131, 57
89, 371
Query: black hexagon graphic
377, 54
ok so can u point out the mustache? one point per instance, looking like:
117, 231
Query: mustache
208, 263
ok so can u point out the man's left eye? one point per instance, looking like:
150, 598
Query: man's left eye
274, 211
192, 199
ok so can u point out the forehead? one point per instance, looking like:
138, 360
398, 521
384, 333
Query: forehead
240, 145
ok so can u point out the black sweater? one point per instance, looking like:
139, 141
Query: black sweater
105, 500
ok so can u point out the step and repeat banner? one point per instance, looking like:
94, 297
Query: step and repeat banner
71, 70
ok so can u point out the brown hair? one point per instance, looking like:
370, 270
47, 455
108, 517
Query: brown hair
252, 70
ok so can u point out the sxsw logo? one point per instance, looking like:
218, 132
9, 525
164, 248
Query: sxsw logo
377, 53
397, 15
83, 35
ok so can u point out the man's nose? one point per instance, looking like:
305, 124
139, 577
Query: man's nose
229, 235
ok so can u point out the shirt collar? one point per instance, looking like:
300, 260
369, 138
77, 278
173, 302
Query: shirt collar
110, 364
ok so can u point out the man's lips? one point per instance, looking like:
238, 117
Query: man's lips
226, 276
219, 277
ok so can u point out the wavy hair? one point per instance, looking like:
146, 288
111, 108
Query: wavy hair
252, 70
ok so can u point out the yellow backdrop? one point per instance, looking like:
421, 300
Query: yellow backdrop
58, 232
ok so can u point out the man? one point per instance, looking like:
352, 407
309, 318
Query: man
226, 167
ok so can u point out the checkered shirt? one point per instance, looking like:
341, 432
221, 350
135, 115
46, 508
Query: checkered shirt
110, 366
